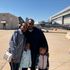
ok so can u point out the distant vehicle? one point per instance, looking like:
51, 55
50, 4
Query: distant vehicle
44, 30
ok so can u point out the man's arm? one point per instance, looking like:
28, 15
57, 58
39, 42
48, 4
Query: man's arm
30, 62
37, 61
44, 41
48, 61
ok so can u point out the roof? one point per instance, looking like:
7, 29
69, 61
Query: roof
8, 14
62, 11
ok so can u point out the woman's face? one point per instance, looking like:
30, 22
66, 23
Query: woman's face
24, 27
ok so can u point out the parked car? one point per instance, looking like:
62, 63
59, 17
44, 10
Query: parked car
44, 30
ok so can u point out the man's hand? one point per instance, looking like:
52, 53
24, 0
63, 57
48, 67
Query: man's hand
37, 69
28, 69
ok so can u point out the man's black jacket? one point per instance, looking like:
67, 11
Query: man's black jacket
37, 39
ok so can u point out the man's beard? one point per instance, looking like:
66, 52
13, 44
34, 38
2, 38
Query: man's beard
30, 30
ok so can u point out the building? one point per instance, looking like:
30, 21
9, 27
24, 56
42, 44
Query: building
8, 21
62, 17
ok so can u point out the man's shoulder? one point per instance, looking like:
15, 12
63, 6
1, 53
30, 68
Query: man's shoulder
37, 29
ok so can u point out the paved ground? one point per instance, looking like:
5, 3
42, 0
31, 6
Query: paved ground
59, 49
4, 40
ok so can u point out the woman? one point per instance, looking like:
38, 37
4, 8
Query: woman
17, 44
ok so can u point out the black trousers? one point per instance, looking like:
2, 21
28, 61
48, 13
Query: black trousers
24, 68
14, 66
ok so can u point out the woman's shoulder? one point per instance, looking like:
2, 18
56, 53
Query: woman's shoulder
16, 31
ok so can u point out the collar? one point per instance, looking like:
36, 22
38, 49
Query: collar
42, 54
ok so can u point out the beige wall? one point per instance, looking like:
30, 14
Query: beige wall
11, 21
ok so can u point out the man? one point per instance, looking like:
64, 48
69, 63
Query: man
17, 44
37, 39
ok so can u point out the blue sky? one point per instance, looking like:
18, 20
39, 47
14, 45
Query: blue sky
36, 9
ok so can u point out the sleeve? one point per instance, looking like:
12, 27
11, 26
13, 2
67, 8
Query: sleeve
37, 61
47, 60
43, 41
13, 43
30, 62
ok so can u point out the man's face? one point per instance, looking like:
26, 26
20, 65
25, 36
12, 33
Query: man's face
24, 27
30, 24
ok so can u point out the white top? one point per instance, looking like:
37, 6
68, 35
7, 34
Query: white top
26, 59
42, 62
